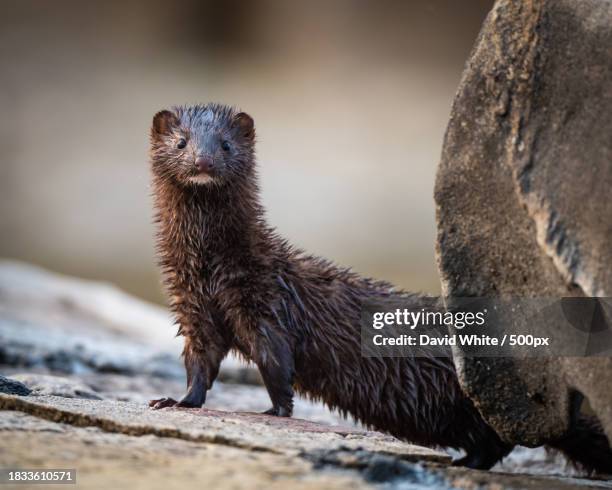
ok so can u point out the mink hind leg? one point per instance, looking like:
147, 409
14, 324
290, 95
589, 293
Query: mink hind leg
482, 445
275, 362
485, 455
586, 445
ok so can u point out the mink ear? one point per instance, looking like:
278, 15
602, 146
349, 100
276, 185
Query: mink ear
245, 124
163, 122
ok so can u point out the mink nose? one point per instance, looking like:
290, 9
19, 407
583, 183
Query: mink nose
204, 164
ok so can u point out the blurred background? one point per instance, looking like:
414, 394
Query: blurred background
350, 100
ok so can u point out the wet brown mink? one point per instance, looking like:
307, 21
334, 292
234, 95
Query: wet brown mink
234, 284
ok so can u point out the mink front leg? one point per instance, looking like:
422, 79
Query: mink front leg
274, 359
202, 367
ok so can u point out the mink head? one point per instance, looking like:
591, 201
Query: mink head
202, 144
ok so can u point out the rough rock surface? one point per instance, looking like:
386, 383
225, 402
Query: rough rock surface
523, 196
13, 387
244, 430
44, 384
110, 443
116, 460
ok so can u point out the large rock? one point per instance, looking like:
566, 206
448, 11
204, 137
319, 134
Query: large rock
523, 197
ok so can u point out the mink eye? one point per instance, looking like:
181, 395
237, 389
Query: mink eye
226, 146
181, 144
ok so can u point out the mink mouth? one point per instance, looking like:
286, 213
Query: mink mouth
200, 178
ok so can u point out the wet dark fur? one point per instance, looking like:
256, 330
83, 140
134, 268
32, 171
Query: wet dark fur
586, 445
234, 284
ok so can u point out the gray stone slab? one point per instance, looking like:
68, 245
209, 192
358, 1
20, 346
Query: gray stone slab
244, 430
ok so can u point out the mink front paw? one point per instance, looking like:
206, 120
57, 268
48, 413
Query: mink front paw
171, 402
278, 412
162, 403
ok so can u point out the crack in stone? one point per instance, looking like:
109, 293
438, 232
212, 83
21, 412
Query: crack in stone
82, 420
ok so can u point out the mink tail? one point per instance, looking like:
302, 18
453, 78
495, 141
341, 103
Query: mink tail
586, 445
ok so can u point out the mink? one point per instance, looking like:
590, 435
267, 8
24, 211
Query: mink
235, 285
